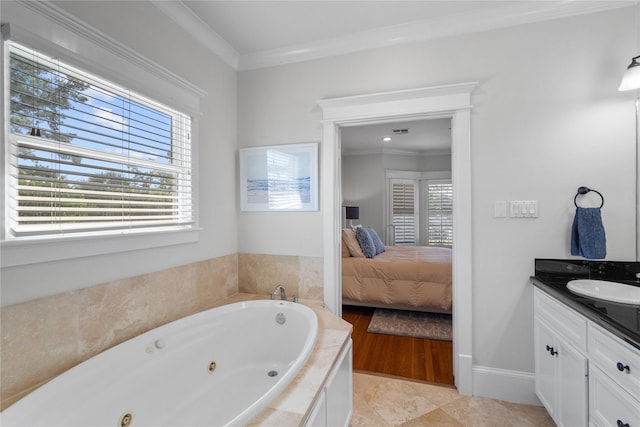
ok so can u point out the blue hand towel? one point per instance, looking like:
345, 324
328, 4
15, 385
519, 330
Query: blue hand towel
587, 234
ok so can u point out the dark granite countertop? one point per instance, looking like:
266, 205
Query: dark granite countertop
552, 276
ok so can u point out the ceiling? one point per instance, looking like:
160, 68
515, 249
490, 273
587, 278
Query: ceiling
422, 137
256, 34
254, 26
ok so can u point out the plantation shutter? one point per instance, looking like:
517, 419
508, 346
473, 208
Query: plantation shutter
439, 200
88, 155
403, 212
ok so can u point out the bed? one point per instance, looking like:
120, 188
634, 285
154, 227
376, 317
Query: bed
414, 278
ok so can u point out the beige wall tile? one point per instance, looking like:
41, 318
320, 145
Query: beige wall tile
278, 270
173, 293
247, 273
112, 313
301, 276
39, 340
217, 279
311, 280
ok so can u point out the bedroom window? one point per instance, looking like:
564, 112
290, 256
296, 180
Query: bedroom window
439, 212
88, 156
403, 211
420, 208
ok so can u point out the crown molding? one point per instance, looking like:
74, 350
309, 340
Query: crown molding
517, 13
423, 30
192, 24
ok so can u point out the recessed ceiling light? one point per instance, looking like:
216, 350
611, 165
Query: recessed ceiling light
386, 139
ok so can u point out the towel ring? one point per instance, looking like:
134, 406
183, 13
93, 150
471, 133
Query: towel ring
585, 190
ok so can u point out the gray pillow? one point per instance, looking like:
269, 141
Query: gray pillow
366, 243
377, 242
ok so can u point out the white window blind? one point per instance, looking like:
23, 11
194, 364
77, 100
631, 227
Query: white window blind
403, 211
439, 207
86, 155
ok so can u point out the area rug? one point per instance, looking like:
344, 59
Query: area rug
416, 324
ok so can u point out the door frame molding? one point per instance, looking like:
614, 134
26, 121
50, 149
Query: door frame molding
452, 101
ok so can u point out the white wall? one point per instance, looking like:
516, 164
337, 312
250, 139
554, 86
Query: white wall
547, 119
142, 27
364, 184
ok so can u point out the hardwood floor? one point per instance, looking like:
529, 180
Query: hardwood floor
415, 358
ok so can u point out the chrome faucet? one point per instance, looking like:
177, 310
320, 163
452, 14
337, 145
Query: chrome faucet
283, 294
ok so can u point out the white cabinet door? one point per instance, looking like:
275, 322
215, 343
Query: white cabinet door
340, 391
561, 369
334, 406
572, 386
318, 417
609, 404
545, 364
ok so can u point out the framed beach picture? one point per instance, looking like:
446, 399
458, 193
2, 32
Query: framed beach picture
279, 178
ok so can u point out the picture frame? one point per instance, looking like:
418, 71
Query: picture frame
279, 177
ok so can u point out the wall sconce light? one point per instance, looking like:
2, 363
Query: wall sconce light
631, 77
352, 212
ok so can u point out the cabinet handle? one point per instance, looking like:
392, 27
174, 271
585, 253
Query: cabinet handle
621, 424
551, 350
622, 367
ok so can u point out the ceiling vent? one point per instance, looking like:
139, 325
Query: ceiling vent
400, 131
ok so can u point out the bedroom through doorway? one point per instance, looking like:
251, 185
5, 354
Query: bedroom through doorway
396, 181
454, 101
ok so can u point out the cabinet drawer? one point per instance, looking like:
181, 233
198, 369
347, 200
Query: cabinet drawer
611, 354
609, 403
566, 322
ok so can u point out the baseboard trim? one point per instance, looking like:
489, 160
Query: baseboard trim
502, 384
464, 374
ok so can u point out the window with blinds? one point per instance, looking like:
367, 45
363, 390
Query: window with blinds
439, 208
86, 155
403, 211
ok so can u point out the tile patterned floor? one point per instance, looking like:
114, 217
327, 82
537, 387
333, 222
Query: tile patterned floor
380, 401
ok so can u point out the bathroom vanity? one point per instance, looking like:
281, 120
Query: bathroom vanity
587, 351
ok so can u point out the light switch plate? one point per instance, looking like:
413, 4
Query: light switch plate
523, 209
500, 209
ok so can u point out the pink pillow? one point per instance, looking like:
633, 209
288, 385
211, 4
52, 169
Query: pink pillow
345, 249
349, 238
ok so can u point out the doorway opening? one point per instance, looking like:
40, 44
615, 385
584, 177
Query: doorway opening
452, 101
397, 177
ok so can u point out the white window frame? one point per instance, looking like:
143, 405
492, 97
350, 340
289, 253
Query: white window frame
89, 49
417, 178
424, 208
391, 236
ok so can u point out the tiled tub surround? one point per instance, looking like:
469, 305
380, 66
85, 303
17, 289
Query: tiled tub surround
42, 338
293, 406
552, 275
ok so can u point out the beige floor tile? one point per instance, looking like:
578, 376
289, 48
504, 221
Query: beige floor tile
363, 416
397, 401
380, 401
483, 412
436, 418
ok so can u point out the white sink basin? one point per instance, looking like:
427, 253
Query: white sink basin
606, 291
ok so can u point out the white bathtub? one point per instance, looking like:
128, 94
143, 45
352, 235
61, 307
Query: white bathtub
220, 367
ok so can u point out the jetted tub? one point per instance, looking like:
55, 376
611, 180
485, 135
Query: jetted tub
220, 367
